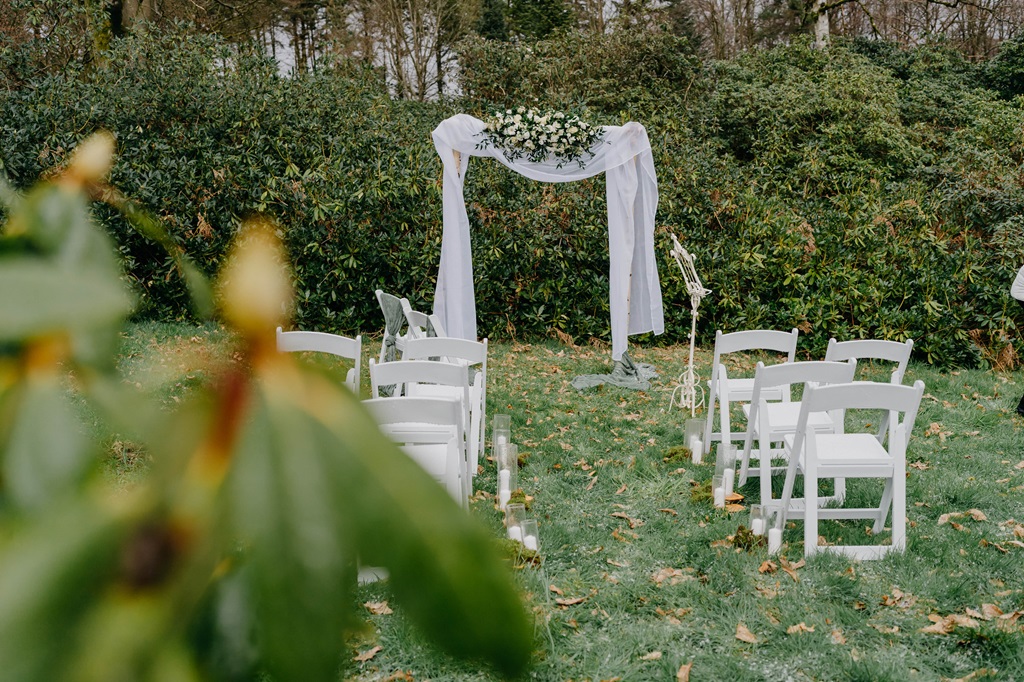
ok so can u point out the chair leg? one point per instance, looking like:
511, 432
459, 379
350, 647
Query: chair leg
888, 495
810, 507
840, 490
899, 510
710, 422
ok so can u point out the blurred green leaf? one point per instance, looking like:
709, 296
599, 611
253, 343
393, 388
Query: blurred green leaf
443, 566
52, 572
303, 568
47, 452
41, 298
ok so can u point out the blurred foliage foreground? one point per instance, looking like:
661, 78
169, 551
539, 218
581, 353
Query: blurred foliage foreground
237, 555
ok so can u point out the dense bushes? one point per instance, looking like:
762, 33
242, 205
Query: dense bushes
859, 191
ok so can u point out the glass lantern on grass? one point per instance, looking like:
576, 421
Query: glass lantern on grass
693, 432
725, 474
515, 515
507, 460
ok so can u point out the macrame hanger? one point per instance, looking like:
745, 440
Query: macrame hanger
688, 386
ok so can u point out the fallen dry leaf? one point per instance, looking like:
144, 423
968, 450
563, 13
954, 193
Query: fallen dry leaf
767, 566
618, 564
379, 608
745, 635
653, 656
555, 590
368, 654
791, 569
943, 625
798, 628
673, 512
566, 601
683, 674
664, 574
633, 523
621, 490
837, 637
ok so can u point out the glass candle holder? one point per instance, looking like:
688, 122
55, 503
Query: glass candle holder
718, 491
693, 432
531, 540
773, 520
502, 430
507, 461
515, 514
725, 466
757, 519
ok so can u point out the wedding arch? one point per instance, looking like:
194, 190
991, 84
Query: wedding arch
624, 155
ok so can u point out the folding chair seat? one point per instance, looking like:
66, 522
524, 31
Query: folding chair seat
768, 422
423, 378
322, 342
739, 390
851, 455
429, 430
473, 355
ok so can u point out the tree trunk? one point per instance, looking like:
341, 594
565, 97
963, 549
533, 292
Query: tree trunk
821, 29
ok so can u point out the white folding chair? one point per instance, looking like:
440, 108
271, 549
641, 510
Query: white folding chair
739, 389
430, 431
423, 378
322, 342
472, 354
874, 349
768, 422
851, 455
421, 325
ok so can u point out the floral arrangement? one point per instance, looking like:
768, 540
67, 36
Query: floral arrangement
540, 136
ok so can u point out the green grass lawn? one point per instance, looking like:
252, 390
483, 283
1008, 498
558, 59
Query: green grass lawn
639, 576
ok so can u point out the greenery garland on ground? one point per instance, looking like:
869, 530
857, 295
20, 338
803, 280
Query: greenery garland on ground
862, 191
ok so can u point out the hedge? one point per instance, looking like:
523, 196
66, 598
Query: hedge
862, 191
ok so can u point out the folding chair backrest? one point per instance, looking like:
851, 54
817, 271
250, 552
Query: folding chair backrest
430, 431
473, 352
421, 325
815, 371
322, 342
757, 339
418, 371
867, 395
873, 349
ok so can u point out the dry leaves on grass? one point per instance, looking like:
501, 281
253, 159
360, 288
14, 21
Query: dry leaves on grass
799, 628
837, 637
378, 608
791, 568
673, 615
653, 656
365, 656
673, 576
745, 635
899, 599
975, 514
633, 523
566, 602
935, 429
683, 674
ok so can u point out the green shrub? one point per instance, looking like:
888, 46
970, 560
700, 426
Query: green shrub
860, 191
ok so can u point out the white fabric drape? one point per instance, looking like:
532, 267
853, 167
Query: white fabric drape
624, 155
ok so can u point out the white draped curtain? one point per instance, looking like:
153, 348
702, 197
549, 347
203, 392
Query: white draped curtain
624, 155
